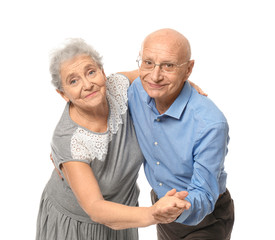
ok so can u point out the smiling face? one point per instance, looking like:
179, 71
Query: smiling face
165, 47
83, 83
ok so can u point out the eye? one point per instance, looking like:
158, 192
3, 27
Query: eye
148, 62
91, 72
73, 81
169, 65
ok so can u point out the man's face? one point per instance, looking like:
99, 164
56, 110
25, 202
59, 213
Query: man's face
164, 87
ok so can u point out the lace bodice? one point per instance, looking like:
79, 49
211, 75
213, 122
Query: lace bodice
89, 145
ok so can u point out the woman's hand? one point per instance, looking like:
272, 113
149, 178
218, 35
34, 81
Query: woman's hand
198, 89
169, 207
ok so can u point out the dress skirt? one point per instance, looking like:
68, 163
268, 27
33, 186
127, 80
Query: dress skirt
54, 224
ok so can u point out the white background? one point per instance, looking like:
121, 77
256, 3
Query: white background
233, 46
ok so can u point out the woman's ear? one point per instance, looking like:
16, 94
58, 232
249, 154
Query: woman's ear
63, 95
104, 74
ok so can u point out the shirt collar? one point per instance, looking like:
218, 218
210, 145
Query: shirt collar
178, 106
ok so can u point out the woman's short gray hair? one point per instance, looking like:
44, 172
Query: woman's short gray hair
73, 47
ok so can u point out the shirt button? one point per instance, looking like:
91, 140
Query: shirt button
160, 184
158, 119
156, 143
158, 163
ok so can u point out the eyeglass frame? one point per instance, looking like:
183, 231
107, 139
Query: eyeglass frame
160, 65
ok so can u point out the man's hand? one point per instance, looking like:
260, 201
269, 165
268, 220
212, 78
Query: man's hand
169, 207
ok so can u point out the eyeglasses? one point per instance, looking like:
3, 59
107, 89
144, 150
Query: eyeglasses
148, 65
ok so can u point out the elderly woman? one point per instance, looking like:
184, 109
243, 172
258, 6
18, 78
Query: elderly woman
94, 146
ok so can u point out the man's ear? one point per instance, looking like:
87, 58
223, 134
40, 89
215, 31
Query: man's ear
63, 95
190, 67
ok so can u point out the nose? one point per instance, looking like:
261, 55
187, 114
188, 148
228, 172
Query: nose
156, 75
87, 84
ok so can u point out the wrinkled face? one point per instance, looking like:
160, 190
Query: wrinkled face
83, 82
160, 85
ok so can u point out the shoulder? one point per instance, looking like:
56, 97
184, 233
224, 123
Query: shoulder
208, 122
117, 83
205, 110
136, 90
117, 86
117, 96
136, 84
62, 136
65, 127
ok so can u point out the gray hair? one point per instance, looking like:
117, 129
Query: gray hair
72, 48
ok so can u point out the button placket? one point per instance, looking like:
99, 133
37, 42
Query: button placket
156, 135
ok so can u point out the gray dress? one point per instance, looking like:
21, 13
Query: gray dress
115, 159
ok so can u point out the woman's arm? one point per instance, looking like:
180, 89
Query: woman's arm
83, 183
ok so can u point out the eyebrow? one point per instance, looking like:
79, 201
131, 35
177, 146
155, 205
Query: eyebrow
90, 66
70, 76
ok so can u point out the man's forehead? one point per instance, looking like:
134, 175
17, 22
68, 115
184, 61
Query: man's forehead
158, 51
162, 52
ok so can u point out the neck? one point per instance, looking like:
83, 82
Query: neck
163, 104
162, 107
93, 119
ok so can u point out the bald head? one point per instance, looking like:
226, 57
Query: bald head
170, 37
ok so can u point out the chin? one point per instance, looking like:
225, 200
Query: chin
154, 93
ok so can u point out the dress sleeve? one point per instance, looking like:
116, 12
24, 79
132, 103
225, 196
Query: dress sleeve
67, 146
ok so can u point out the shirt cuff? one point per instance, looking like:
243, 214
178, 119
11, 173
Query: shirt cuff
181, 218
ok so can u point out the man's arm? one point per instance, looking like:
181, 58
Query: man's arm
209, 154
132, 75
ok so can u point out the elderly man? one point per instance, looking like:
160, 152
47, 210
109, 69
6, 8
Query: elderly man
183, 137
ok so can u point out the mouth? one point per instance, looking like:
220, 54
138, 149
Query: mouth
155, 86
91, 94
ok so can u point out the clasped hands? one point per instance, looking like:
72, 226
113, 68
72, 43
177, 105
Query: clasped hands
168, 208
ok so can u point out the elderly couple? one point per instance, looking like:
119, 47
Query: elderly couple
111, 125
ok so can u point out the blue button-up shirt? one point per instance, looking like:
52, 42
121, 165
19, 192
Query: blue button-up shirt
184, 148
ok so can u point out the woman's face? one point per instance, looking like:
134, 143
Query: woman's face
83, 82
